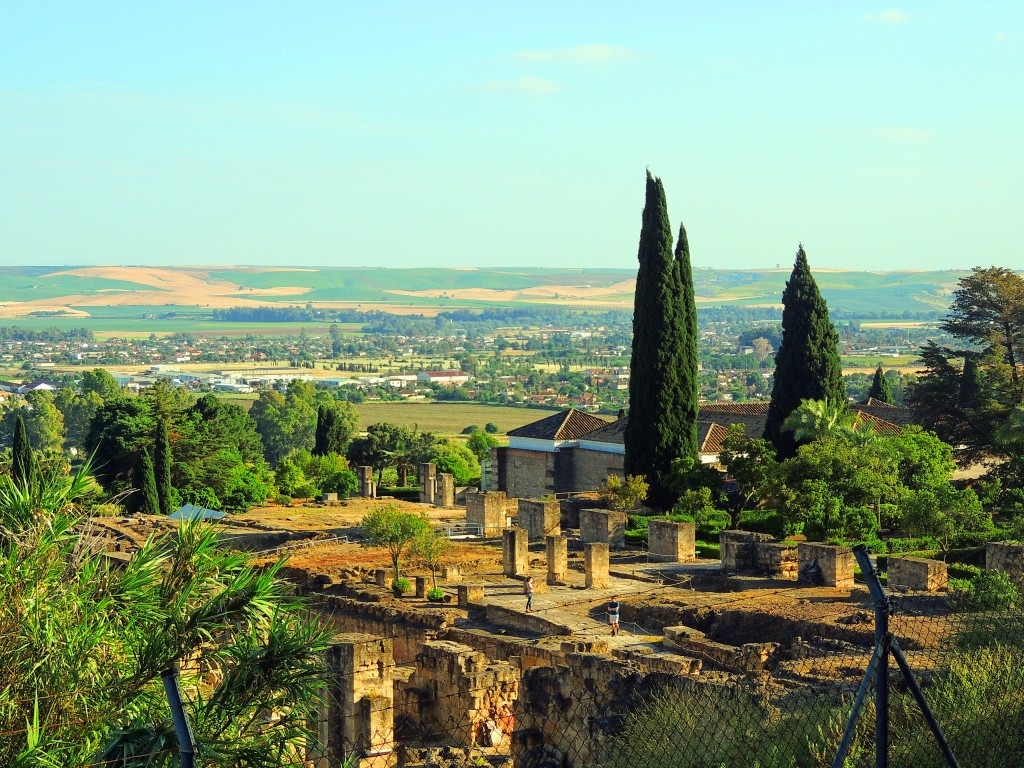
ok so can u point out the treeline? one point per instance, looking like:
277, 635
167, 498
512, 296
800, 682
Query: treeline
52, 335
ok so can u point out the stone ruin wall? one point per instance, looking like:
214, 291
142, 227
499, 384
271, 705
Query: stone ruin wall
1006, 557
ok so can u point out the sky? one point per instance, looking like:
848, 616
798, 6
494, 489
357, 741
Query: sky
462, 134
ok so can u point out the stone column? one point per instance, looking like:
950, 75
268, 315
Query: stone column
428, 482
358, 705
603, 526
540, 518
825, 564
558, 558
470, 595
515, 552
595, 565
367, 487
381, 577
445, 490
671, 542
421, 586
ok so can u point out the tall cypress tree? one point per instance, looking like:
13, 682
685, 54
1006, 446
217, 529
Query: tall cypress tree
162, 466
145, 500
663, 377
21, 460
807, 365
325, 418
880, 389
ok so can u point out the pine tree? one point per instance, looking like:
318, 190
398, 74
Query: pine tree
22, 461
880, 389
162, 466
663, 369
145, 501
807, 365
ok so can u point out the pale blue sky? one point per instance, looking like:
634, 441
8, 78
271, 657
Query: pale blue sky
460, 134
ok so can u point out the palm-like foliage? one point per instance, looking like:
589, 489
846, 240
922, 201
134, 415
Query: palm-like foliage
815, 419
82, 644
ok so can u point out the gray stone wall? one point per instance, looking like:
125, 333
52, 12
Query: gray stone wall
825, 565
540, 518
671, 542
1006, 557
591, 468
916, 573
604, 526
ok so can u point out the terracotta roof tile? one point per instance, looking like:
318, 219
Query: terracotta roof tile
564, 425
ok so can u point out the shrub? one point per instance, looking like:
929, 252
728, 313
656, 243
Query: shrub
344, 483
963, 571
766, 521
992, 591
491, 428
283, 499
401, 586
436, 594
470, 429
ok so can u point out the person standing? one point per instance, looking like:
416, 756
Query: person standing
613, 614
528, 589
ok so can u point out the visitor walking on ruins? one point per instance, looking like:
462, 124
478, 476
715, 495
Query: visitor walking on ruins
613, 614
528, 589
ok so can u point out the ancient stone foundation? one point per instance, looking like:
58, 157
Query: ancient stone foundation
917, 573
595, 565
558, 558
487, 510
1005, 557
823, 564
457, 691
515, 552
671, 542
367, 486
540, 518
470, 595
603, 526
358, 716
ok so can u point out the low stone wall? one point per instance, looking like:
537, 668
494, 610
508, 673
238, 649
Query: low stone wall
749, 657
917, 573
739, 550
487, 509
528, 622
603, 526
540, 518
823, 564
1006, 557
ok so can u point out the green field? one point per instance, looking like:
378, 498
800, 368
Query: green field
448, 418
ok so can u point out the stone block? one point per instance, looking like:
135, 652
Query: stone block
487, 510
380, 577
515, 552
1006, 557
672, 542
603, 526
428, 482
540, 518
470, 595
917, 573
367, 486
451, 573
826, 565
739, 550
445, 490
595, 565
421, 586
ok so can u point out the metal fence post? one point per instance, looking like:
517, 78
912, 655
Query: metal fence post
186, 748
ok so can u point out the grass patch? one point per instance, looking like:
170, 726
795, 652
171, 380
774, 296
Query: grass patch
448, 418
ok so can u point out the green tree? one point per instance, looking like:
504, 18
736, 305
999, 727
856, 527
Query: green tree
491, 428
43, 421
480, 443
457, 460
78, 411
162, 467
389, 527
752, 464
944, 513
146, 499
624, 494
120, 429
286, 422
880, 389
807, 365
432, 549
101, 382
22, 461
663, 367
335, 425
814, 419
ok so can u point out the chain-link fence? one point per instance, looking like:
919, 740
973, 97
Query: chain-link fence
767, 690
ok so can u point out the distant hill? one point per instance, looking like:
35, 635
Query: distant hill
75, 290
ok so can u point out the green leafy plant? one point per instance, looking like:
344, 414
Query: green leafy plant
401, 586
435, 595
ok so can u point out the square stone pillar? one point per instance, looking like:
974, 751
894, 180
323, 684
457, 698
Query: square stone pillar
558, 558
826, 565
487, 510
595, 565
671, 542
603, 526
367, 487
358, 706
515, 552
381, 577
428, 482
445, 490
451, 573
540, 518
421, 586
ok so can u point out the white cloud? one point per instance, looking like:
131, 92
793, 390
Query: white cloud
888, 16
585, 55
528, 85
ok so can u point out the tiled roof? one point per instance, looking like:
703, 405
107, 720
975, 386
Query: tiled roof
710, 436
881, 427
756, 408
897, 414
564, 425
609, 433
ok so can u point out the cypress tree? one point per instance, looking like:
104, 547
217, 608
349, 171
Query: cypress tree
145, 500
970, 394
162, 466
21, 460
807, 365
325, 418
880, 389
663, 369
